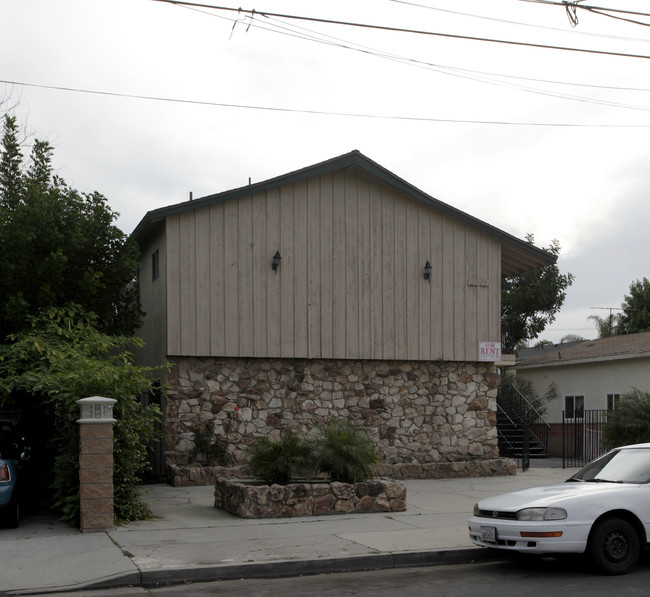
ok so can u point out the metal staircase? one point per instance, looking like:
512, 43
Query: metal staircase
522, 431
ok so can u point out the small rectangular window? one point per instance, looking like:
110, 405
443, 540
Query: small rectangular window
155, 265
612, 401
574, 407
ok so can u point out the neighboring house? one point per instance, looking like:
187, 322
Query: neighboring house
338, 290
589, 376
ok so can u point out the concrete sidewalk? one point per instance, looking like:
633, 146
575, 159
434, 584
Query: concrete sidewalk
192, 541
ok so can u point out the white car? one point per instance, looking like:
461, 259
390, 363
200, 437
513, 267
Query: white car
603, 510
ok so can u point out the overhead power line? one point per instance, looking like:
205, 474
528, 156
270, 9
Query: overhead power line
254, 12
322, 112
519, 23
281, 27
573, 6
588, 7
271, 25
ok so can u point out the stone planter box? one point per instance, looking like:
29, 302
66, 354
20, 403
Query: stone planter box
247, 499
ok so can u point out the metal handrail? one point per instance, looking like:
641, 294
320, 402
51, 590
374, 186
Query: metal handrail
504, 437
513, 403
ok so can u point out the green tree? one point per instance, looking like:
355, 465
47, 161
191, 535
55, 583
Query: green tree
571, 338
606, 326
530, 301
636, 309
11, 159
542, 344
59, 246
629, 423
60, 357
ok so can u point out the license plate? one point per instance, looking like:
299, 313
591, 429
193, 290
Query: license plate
489, 534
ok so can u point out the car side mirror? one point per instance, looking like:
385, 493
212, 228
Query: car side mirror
26, 453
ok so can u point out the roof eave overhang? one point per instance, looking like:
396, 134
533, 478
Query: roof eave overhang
517, 256
584, 361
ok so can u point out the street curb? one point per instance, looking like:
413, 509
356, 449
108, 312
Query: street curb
154, 578
124, 579
281, 569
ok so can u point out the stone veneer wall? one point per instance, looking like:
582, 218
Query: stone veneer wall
425, 415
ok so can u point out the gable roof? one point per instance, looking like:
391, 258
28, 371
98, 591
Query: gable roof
516, 255
603, 349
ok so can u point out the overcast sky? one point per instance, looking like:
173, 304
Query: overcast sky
530, 139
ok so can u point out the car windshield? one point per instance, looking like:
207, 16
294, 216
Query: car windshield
631, 465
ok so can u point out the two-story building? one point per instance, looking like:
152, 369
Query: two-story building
338, 290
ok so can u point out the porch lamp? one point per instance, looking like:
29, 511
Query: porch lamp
275, 264
427, 271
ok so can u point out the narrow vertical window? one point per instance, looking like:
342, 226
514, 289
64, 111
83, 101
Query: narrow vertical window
574, 407
568, 407
155, 265
612, 401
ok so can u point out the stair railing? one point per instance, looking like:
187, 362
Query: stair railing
504, 438
513, 403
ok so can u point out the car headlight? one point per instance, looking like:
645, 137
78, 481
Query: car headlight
541, 514
477, 510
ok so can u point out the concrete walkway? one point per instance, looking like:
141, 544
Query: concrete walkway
190, 540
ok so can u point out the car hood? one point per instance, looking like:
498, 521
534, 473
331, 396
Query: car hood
549, 495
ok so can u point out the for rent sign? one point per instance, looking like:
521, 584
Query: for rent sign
489, 351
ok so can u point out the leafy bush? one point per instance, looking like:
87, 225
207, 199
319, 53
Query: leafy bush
60, 358
344, 452
629, 423
281, 461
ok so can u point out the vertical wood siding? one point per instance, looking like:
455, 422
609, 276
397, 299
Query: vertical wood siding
350, 284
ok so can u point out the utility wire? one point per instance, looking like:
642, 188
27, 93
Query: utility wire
290, 30
313, 36
604, 14
520, 24
587, 7
571, 8
269, 24
450, 71
254, 12
323, 112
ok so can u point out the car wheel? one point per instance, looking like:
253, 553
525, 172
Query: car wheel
614, 546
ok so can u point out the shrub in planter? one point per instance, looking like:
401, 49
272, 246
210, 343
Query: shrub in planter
281, 461
344, 451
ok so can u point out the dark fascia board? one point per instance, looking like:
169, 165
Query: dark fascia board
534, 256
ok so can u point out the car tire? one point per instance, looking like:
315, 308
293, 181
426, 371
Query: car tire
614, 546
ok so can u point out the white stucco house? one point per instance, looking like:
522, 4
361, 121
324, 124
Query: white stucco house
589, 376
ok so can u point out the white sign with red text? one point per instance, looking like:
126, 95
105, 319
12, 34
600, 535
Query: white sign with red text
489, 351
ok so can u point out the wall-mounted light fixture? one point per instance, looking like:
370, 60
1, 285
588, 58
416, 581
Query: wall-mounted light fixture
427, 271
275, 264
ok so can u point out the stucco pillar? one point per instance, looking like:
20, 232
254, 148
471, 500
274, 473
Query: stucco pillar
96, 463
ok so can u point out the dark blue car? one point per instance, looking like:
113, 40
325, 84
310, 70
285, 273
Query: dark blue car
12, 452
